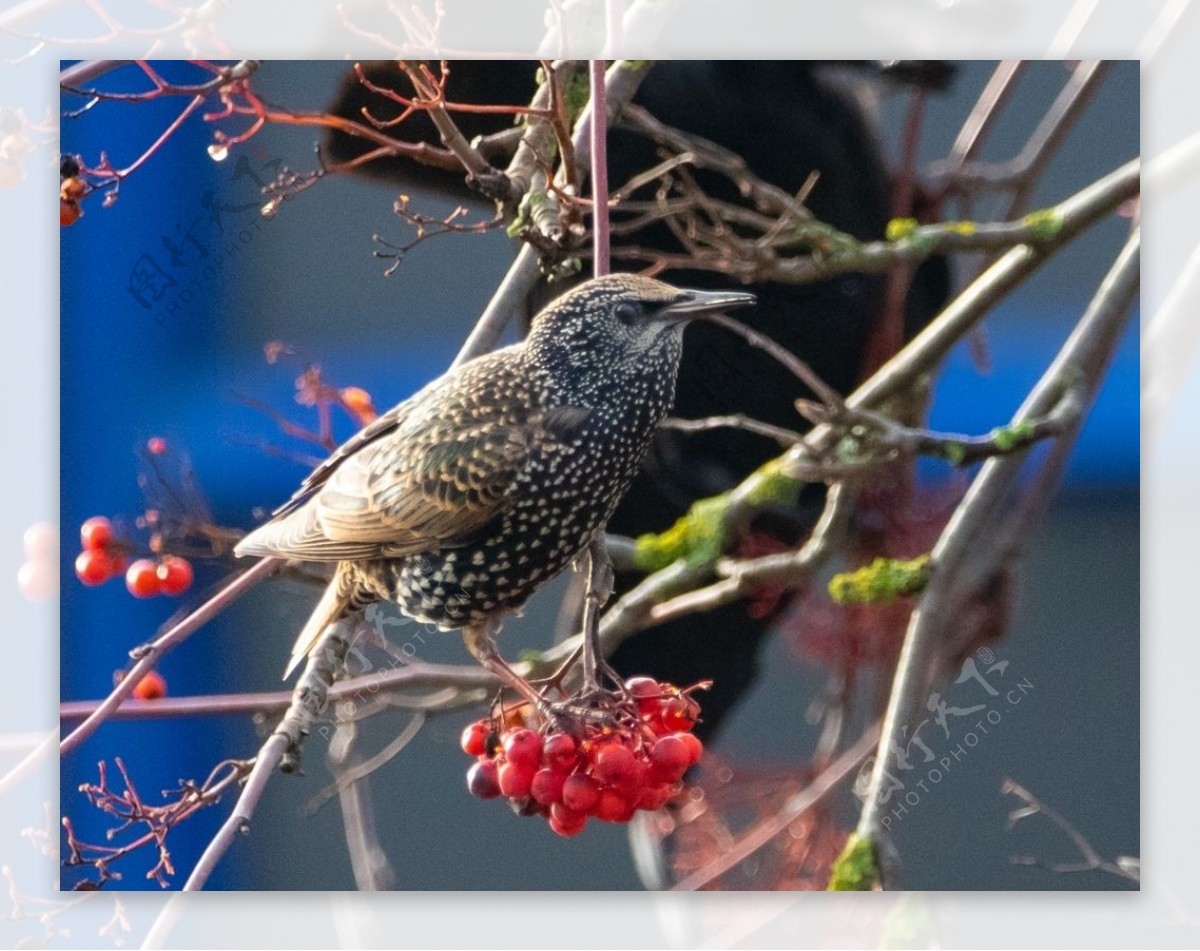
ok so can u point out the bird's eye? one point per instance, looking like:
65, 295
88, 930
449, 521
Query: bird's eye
627, 312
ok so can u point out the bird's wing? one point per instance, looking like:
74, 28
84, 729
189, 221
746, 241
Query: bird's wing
380, 426
445, 469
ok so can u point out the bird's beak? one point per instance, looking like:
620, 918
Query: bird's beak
691, 304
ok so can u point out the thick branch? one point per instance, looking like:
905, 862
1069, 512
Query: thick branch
961, 557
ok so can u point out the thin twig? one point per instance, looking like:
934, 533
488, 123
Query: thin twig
797, 367
785, 437
148, 655
1093, 861
887, 439
431, 92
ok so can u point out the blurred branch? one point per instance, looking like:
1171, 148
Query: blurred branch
962, 555
372, 870
963, 173
1124, 867
768, 829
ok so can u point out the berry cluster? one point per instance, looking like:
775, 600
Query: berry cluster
104, 557
626, 753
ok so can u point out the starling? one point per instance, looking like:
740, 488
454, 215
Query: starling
821, 122
460, 502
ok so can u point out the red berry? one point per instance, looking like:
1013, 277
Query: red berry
358, 401
566, 822
547, 786
93, 566
613, 807
614, 765
475, 737
646, 690
516, 780
523, 748
142, 579
482, 780
635, 780
96, 533
580, 792
558, 752
151, 687
174, 575
694, 747
669, 759
654, 797
679, 713
156, 445
69, 212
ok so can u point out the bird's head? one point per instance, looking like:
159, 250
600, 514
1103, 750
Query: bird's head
622, 323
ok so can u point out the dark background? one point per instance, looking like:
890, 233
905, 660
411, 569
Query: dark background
307, 276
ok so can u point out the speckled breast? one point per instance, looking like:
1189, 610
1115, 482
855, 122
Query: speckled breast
562, 499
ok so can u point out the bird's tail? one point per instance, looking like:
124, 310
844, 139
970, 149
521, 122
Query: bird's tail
329, 609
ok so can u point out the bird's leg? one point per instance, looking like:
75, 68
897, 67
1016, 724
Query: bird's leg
599, 590
479, 640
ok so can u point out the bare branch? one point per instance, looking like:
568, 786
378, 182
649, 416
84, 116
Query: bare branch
955, 572
148, 655
620, 83
1092, 861
491, 181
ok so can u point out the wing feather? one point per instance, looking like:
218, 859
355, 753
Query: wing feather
427, 475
